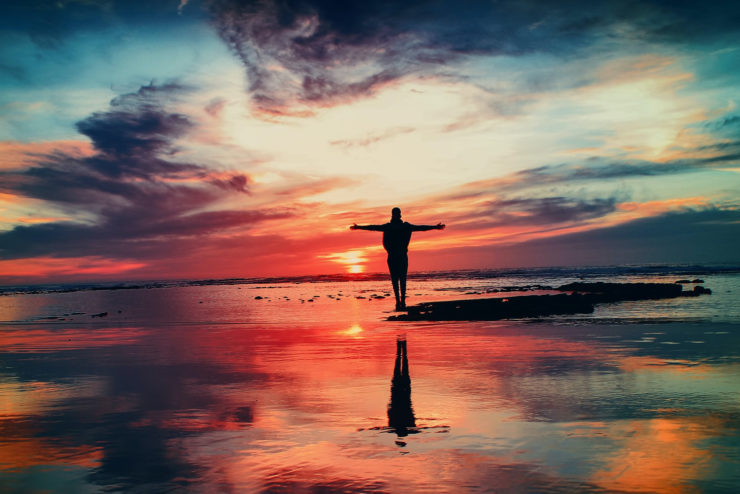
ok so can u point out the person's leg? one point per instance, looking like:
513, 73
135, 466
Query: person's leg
403, 268
405, 361
395, 278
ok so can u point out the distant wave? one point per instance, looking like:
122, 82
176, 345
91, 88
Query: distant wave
557, 272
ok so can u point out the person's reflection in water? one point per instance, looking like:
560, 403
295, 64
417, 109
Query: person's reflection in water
401, 418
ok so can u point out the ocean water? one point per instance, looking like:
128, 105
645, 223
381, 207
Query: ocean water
295, 385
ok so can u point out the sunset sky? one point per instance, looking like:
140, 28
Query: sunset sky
194, 139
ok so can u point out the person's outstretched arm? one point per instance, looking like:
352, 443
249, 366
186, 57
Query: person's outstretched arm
424, 228
374, 228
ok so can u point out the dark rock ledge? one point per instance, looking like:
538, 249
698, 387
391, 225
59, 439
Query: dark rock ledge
580, 298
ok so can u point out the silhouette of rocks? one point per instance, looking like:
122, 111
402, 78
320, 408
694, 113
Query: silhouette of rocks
491, 309
100, 314
616, 292
581, 300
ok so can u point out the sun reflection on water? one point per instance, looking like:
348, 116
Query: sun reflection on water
355, 330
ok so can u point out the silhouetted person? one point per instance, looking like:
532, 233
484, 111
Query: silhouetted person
400, 412
396, 238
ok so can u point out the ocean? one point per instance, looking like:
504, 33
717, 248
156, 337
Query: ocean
303, 385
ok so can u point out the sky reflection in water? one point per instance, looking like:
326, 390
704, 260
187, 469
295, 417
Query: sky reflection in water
297, 398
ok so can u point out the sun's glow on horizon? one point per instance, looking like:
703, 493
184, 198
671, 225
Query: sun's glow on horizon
355, 268
352, 260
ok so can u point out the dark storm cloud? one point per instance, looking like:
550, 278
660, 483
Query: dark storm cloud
304, 50
324, 51
141, 201
136, 125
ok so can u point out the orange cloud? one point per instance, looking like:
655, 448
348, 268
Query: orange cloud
633, 210
15, 154
23, 269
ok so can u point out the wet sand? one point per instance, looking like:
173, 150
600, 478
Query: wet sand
210, 389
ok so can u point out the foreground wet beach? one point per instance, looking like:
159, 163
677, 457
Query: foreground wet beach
212, 389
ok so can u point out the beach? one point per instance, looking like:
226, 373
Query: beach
294, 386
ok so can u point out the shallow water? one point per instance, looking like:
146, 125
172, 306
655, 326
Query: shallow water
207, 389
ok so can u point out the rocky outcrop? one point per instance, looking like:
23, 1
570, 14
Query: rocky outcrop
491, 309
580, 299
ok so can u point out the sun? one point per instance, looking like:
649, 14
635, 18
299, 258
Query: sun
356, 268
352, 260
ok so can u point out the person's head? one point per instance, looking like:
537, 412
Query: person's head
396, 214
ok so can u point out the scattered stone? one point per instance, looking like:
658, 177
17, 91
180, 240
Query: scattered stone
100, 314
258, 297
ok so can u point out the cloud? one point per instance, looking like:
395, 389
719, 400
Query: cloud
527, 215
309, 187
143, 202
136, 124
16, 155
304, 53
309, 53
689, 235
49, 24
599, 169
549, 210
373, 138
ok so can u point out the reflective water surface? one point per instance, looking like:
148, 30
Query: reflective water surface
208, 389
